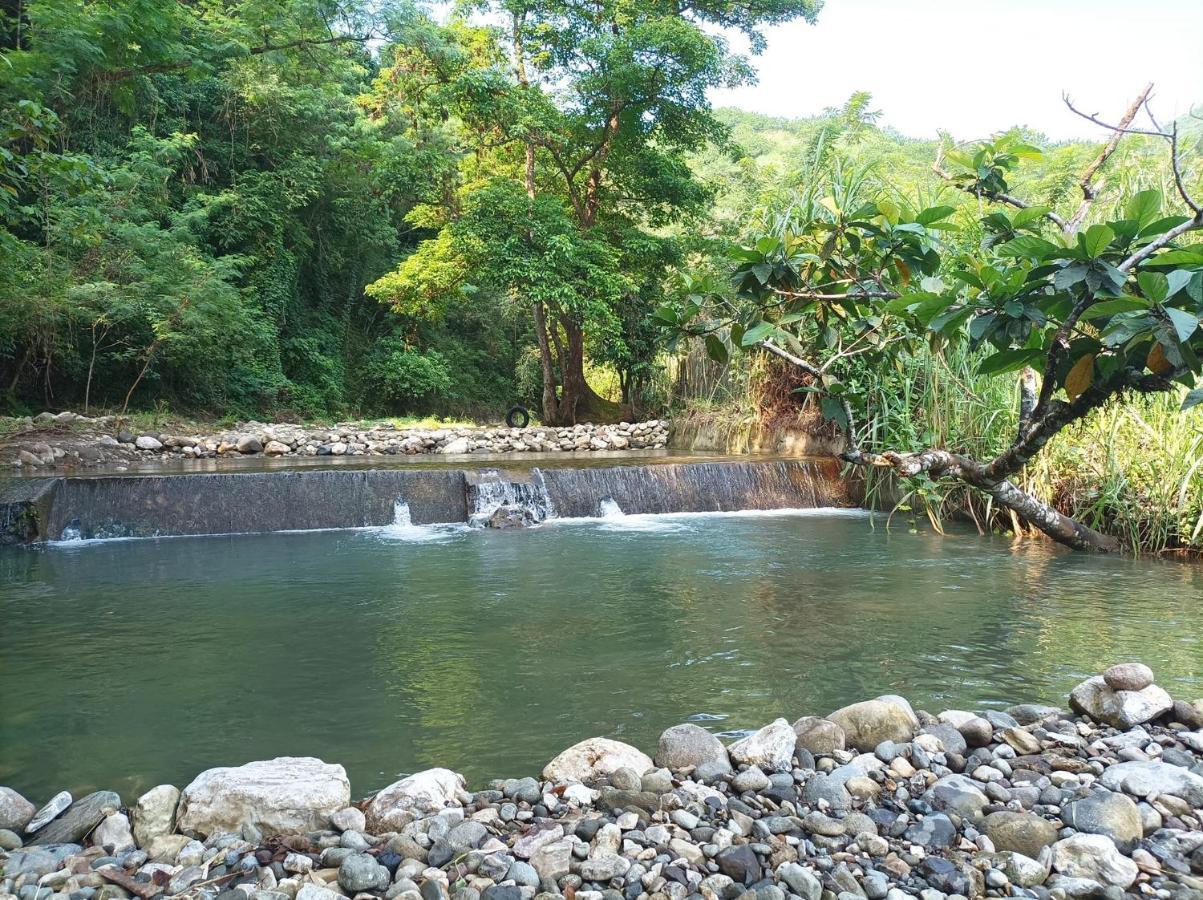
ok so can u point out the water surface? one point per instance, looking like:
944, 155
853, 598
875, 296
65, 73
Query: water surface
125, 664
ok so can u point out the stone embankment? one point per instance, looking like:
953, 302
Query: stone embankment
875, 801
69, 440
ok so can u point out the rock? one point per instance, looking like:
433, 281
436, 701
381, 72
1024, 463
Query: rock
552, 860
593, 758
154, 813
418, 795
740, 863
1031, 713
870, 722
1142, 779
1093, 856
933, 832
360, 872
146, 442
285, 795
957, 794
750, 779
829, 789
276, 448
604, 868
79, 819
49, 812
1109, 813
313, 892
349, 819
1119, 709
15, 811
1189, 712
689, 745
1025, 871
1128, 677
114, 834
801, 881
457, 446
1019, 832
771, 748
822, 737
248, 443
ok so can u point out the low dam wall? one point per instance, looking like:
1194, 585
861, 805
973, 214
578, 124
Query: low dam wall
66, 507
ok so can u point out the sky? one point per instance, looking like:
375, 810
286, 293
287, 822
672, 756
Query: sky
973, 67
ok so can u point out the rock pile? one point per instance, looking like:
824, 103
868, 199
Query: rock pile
101, 441
875, 801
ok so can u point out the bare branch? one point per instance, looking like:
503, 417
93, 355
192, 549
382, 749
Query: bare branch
1122, 128
1162, 240
997, 197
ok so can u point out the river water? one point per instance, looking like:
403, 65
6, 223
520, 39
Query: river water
129, 663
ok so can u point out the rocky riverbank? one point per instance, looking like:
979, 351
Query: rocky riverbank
72, 441
875, 801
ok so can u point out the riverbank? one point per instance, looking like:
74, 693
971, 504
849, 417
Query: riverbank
68, 440
873, 802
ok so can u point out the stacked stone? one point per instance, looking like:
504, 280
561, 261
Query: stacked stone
874, 801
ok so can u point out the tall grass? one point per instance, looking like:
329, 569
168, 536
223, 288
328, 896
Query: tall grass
1133, 469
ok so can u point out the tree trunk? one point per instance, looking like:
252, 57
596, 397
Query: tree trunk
551, 405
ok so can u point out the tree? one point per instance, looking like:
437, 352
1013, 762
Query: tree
1095, 312
592, 110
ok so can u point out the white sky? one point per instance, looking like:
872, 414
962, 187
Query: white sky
973, 67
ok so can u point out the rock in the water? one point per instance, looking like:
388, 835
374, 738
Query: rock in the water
594, 757
771, 748
285, 795
154, 813
1109, 813
689, 745
1019, 832
1128, 677
870, 722
49, 812
1142, 779
114, 834
822, 737
421, 794
1093, 856
80, 818
1119, 709
15, 810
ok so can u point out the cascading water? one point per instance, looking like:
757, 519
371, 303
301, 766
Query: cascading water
503, 500
609, 509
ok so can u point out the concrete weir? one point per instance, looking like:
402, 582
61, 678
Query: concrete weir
157, 505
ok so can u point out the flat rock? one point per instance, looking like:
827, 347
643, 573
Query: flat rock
1019, 832
285, 795
771, 749
1106, 812
594, 758
868, 723
689, 745
49, 812
421, 794
79, 819
1141, 779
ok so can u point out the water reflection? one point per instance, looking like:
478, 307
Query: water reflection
128, 664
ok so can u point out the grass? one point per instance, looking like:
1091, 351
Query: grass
1133, 469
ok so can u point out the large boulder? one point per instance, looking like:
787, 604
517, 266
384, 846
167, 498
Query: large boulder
1119, 709
15, 810
285, 795
1095, 857
1109, 813
771, 749
822, 737
1142, 779
688, 745
154, 813
870, 722
421, 794
1019, 832
594, 758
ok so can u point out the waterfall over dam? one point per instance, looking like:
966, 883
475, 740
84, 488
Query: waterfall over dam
158, 505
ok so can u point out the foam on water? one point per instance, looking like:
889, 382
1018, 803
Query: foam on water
403, 528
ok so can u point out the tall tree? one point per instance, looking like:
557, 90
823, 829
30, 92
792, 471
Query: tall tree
593, 111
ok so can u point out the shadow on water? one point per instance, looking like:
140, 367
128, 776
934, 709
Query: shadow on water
131, 663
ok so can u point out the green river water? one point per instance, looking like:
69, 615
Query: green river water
126, 664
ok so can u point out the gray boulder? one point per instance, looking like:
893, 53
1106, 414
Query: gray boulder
822, 737
689, 745
1142, 779
15, 810
1119, 709
1020, 832
1095, 857
870, 722
957, 794
79, 819
1128, 677
1109, 813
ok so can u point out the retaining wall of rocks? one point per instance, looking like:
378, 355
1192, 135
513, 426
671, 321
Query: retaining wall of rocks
874, 801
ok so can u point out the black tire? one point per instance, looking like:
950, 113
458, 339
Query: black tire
517, 417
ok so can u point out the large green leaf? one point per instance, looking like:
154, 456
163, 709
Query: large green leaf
1143, 207
1009, 361
1112, 307
1185, 322
1095, 239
